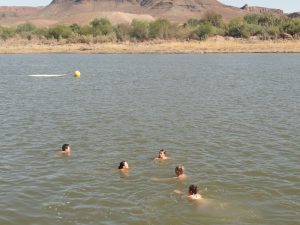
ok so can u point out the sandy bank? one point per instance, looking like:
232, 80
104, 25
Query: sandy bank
210, 46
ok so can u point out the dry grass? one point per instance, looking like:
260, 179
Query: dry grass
209, 46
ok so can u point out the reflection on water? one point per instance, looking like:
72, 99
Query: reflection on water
232, 120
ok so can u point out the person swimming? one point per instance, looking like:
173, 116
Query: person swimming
192, 193
66, 149
162, 155
179, 171
123, 165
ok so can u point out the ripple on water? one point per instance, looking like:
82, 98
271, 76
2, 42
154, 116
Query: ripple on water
231, 120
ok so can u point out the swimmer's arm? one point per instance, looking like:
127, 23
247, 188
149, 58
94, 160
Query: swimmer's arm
178, 192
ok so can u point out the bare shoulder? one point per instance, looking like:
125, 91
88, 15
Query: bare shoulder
195, 197
62, 153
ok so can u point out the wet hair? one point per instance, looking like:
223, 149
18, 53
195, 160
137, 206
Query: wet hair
162, 151
179, 170
122, 164
64, 147
193, 189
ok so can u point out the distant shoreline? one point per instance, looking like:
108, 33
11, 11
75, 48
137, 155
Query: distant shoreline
213, 45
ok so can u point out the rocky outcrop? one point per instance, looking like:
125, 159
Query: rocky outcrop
294, 15
118, 11
256, 9
12, 11
174, 10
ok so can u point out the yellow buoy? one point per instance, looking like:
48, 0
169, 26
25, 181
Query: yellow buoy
77, 73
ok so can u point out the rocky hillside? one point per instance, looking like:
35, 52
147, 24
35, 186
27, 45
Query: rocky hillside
294, 15
120, 11
256, 9
174, 10
12, 11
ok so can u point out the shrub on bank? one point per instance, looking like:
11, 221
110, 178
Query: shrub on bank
292, 27
7, 32
101, 27
59, 32
263, 26
139, 30
162, 29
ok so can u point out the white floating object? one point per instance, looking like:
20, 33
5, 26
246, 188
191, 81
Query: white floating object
47, 75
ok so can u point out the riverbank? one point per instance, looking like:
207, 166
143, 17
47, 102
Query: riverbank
213, 45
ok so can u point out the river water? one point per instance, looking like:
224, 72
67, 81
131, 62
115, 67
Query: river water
233, 121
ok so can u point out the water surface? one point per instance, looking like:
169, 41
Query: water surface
232, 120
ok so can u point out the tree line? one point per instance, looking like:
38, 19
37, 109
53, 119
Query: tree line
263, 26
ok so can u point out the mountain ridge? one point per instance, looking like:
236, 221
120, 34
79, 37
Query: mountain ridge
121, 11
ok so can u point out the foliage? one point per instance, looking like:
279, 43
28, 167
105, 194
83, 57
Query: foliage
59, 31
85, 31
214, 19
162, 29
7, 32
75, 28
26, 27
185, 32
41, 32
292, 26
192, 23
139, 30
101, 27
122, 32
203, 31
238, 27
77, 38
264, 26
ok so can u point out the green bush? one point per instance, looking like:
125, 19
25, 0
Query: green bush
273, 32
26, 27
203, 31
252, 18
122, 32
292, 26
239, 28
75, 28
111, 37
59, 31
192, 23
86, 31
162, 29
41, 32
26, 30
77, 38
101, 27
7, 32
214, 19
139, 30
185, 32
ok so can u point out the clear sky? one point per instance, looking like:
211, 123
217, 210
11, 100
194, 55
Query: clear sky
286, 5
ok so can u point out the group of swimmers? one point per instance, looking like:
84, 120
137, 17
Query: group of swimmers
179, 172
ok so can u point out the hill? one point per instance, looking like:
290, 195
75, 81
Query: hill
117, 11
120, 11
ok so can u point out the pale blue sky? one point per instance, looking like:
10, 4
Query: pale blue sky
286, 5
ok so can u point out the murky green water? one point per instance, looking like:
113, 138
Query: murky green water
232, 120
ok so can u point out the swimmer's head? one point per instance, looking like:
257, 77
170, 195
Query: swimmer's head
193, 189
162, 153
179, 170
123, 165
65, 148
